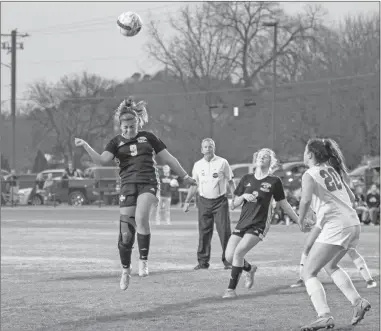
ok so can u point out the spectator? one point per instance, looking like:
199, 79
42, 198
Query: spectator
373, 202
14, 185
48, 185
39, 182
360, 205
71, 172
163, 208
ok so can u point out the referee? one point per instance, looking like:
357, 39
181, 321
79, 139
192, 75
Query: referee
212, 174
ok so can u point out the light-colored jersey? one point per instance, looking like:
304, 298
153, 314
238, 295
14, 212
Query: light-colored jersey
330, 200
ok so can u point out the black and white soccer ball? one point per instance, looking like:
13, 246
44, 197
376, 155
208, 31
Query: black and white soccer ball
129, 24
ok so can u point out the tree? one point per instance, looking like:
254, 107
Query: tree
74, 107
252, 42
4, 163
40, 162
197, 56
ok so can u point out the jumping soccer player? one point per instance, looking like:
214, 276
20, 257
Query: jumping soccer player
256, 192
329, 197
135, 152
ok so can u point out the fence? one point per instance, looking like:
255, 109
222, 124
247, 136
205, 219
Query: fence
75, 192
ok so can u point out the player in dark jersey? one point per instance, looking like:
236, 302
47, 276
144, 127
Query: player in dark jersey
135, 152
163, 208
257, 192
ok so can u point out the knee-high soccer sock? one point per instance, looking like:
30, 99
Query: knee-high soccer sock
317, 294
301, 265
246, 266
344, 283
143, 244
363, 268
234, 277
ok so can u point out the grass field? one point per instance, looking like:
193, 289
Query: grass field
60, 271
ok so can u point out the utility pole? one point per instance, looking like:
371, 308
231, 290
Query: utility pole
12, 49
274, 25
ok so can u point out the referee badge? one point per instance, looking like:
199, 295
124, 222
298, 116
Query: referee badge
122, 198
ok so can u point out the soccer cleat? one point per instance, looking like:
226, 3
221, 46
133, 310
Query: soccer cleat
320, 323
201, 266
359, 311
125, 279
229, 294
143, 268
249, 277
299, 283
371, 284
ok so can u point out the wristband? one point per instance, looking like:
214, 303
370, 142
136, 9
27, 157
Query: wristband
186, 177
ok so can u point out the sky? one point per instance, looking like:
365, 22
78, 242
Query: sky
71, 37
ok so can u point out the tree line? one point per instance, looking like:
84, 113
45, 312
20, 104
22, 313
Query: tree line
219, 57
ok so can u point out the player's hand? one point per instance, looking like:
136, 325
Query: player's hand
79, 142
190, 181
249, 197
186, 207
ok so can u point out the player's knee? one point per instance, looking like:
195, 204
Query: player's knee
309, 273
238, 254
353, 254
307, 249
142, 224
127, 238
330, 269
229, 257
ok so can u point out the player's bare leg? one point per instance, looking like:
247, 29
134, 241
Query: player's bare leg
143, 207
242, 247
312, 236
319, 255
362, 267
345, 285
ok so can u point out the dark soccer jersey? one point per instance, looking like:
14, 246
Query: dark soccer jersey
258, 213
373, 200
136, 157
165, 187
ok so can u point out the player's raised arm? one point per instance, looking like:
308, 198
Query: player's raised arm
99, 159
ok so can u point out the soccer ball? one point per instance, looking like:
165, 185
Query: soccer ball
174, 183
129, 24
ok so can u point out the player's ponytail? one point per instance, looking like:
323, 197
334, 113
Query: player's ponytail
335, 157
128, 109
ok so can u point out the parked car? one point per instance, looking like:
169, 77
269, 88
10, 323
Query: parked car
107, 183
4, 173
366, 174
27, 192
291, 174
57, 173
241, 169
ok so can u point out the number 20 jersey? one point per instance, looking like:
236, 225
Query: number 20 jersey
136, 157
330, 200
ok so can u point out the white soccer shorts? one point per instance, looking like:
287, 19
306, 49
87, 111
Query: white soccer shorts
335, 235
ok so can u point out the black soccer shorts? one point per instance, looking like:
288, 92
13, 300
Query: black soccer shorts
129, 193
251, 229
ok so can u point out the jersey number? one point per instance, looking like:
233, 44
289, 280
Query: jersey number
331, 179
133, 150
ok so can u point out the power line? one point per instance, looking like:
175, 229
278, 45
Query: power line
80, 60
241, 89
87, 23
